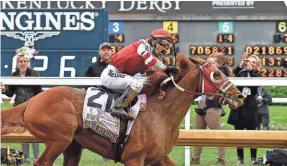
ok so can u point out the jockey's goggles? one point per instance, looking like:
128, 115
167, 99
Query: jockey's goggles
165, 43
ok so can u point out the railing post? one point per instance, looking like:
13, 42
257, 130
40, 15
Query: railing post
187, 148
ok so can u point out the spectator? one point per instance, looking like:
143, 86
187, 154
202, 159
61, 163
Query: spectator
96, 68
246, 116
263, 99
211, 111
24, 93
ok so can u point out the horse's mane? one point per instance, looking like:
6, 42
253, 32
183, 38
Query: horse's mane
154, 78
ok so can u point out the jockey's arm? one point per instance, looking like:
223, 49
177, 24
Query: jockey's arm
144, 50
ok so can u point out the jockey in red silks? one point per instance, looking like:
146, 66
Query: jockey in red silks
135, 58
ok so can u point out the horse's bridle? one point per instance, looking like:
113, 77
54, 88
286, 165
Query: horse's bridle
223, 95
222, 92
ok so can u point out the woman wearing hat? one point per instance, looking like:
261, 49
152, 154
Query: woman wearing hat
23, 92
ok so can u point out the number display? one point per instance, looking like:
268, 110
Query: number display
272, 62
207, 50
266, 50
281, 26
171, 26
63, 67
270, 59
116, 38
225, 27
168, 60
229, 61
116, 27
45, 63
175, 38
225, 38
285, 38
120, 38
170, 51
273, 72
277, 38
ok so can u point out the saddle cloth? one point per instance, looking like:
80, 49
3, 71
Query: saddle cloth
95, 115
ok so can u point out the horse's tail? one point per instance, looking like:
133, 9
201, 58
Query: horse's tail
12, 119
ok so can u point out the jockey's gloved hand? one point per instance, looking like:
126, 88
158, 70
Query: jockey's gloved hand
171, 70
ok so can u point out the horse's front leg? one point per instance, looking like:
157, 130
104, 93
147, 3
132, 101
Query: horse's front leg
165, 161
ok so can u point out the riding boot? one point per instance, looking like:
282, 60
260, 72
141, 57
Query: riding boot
127, 97
123, 103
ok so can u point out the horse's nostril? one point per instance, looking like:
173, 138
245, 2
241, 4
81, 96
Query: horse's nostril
240, 96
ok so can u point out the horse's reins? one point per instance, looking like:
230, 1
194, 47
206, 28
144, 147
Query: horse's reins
195, 93
222, 94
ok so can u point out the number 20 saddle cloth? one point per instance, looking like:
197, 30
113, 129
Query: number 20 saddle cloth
96, 116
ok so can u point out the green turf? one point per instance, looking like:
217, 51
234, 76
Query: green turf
278, 116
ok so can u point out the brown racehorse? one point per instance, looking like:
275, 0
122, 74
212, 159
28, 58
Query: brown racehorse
55, 116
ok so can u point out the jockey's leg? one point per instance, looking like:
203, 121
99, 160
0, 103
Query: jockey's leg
124, 101
111, 78
126, 98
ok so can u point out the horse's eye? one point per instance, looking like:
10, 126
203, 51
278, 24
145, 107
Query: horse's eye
217, 76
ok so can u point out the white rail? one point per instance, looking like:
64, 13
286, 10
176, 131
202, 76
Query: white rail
274, 100
82, 81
